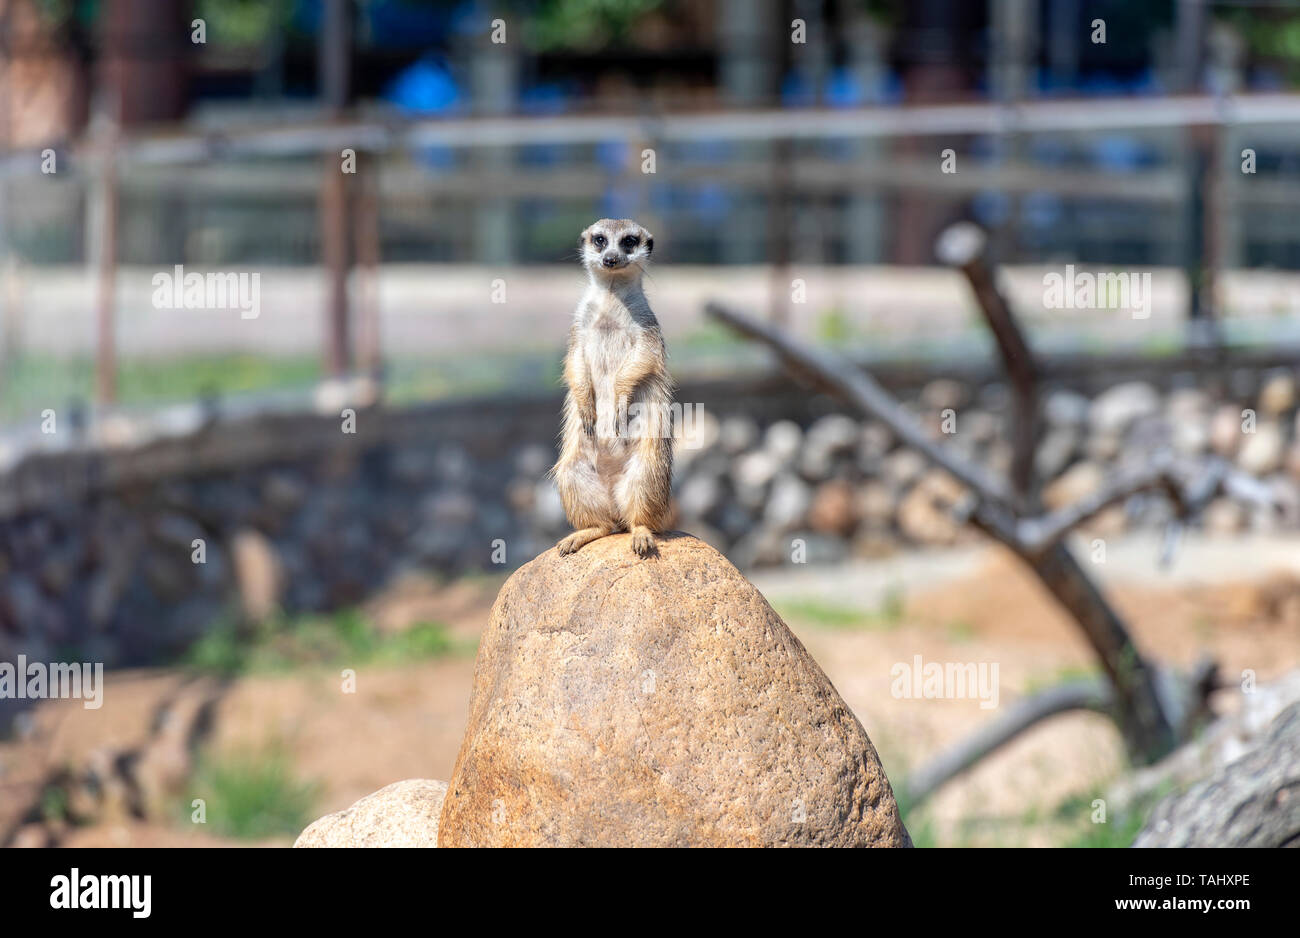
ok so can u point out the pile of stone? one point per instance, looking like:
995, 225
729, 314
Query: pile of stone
843, 486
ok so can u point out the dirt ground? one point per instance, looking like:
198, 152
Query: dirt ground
405, 720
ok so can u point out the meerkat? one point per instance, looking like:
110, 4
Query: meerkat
616, 459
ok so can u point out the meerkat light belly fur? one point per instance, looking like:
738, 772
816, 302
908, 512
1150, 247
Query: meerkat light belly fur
615, 467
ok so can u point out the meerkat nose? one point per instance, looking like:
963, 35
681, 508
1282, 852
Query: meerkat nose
609, 260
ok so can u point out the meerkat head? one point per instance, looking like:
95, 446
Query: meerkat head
615, 248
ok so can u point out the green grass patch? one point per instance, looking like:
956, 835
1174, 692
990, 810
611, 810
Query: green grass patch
251, 796
54, 804
834, 327
960, 630
1119, 829
1034, 684
708, 336
32, 383
413, 380
832, 616
286, 643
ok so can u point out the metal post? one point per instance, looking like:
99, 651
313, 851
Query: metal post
334, 52
106, 208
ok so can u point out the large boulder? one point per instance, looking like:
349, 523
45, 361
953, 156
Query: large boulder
659, 702
404, 814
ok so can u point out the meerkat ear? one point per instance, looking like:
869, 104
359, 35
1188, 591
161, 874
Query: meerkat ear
649, 244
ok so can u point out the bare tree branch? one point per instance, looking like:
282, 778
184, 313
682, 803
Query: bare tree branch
863, 390
1088, 694
963, 246
1037, 534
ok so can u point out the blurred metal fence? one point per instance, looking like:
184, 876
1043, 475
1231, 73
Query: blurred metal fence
1154, 182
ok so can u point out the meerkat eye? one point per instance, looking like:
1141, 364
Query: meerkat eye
630, 242
600, 241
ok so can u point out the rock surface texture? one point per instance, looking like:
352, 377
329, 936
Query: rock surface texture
659, 702
404, 814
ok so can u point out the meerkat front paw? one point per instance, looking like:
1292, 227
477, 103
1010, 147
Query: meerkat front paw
643, 543
580, 538
570, 544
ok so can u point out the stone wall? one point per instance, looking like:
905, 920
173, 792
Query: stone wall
97, 544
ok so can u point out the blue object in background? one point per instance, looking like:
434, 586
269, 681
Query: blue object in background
611, 155
1120, 153
712, 203
991, 209
426, 87
797, 90
1043, 210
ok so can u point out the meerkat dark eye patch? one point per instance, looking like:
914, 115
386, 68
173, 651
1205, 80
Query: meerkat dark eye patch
630, 242
599, 240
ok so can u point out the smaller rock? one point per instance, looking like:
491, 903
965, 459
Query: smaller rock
943, 393
873, 443
752, 473
834, 509
284, 491
1055, 452
1187, 403
448, 507
1278, 395
782, 441
1225, 430
737, 434
1103, 447
1262, 452
404, 814
32, 836
1066, 409
1079, 480
1115, 409
258, 572
788, 503
925, 513
452, 465
1190, 435
837, 432
1223, 516
902, 467
875, 505
700, 496
979, 427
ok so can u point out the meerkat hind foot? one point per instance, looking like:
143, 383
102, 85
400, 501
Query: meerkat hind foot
579, 539
643, 541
